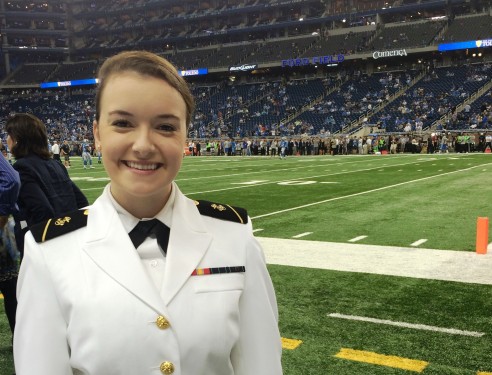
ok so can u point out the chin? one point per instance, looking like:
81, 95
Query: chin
153, 191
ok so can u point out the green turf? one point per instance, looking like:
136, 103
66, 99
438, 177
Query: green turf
394, 200
307, 296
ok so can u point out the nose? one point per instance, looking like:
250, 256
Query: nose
143, 143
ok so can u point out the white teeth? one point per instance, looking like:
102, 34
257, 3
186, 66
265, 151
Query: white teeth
144, 167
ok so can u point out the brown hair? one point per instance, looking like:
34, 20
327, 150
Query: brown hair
29, 135
148, 64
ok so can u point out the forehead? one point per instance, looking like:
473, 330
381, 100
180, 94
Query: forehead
127, 78
129, 88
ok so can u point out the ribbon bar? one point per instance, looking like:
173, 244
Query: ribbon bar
217, 270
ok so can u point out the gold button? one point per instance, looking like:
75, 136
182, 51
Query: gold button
167, 367
162, 322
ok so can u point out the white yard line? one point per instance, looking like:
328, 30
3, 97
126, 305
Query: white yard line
357, 239
302, 235
423, 327
295, 179
419, 242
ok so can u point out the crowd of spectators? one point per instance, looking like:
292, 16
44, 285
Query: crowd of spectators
412, 142
67, 116
309, 106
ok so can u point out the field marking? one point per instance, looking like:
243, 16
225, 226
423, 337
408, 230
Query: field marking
316, 161
279, 181
257, 230
357, 238
90, 179
330, 161
419, 242
290, 344
302, 235
365, 192
382, 360
253, 182
422, 327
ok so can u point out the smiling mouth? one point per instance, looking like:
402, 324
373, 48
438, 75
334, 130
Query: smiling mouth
142, 166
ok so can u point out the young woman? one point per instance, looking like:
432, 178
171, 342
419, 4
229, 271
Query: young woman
192, 299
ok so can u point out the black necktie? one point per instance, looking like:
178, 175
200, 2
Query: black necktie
145, 228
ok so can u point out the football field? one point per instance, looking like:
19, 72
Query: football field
357, 317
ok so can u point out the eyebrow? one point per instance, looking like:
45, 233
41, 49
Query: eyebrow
163, 116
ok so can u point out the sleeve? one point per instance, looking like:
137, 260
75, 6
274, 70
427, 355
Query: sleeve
79, 196
259, 342
40, 342
9, 187
33, 198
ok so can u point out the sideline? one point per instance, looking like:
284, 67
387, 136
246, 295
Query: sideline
447, 265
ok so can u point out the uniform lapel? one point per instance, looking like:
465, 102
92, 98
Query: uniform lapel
188, 243
112, 250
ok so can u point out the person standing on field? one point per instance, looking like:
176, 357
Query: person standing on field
65, 152
55, 149
146, 280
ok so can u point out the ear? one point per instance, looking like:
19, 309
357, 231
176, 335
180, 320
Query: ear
95, 131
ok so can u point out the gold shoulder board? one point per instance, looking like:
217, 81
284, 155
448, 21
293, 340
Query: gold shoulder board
222, 211
59, 226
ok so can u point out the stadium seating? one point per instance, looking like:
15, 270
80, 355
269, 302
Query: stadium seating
470, 27
415, 34
276, 100
75, 71
346, 43
32, 73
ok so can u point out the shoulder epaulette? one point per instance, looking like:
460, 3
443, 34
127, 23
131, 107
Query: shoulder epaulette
222, 211
59, 226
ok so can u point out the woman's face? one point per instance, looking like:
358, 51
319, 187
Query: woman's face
141, 132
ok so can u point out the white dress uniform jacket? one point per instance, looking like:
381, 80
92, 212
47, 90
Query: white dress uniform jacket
87, 305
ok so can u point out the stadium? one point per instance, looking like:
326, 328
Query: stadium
369, 223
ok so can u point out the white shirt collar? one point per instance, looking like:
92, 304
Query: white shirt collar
129, 221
